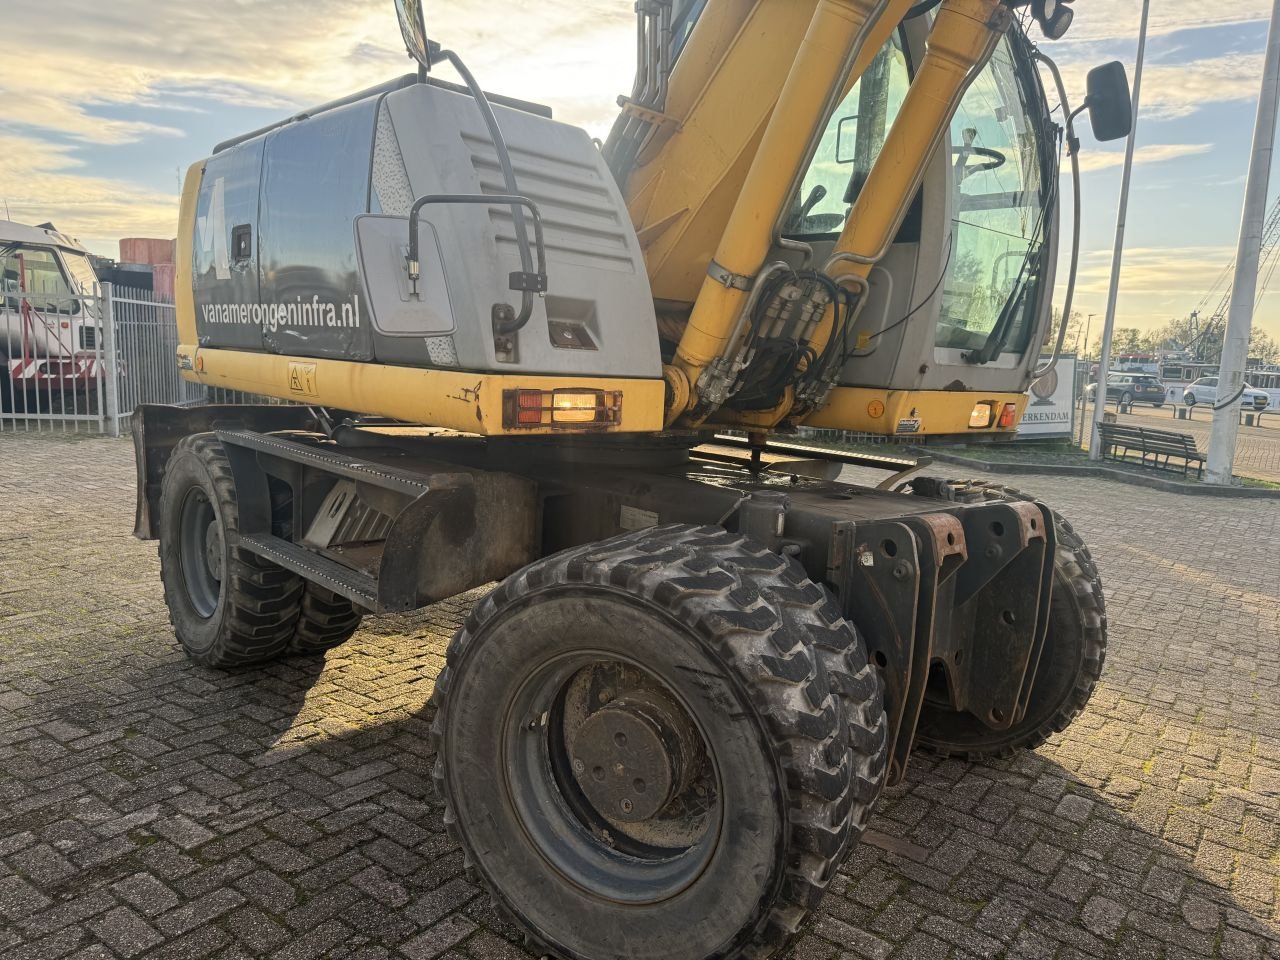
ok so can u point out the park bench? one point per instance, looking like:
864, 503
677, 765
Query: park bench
1161, 446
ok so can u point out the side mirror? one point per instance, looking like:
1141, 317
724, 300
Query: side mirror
1108, 101
847, 139
412, 29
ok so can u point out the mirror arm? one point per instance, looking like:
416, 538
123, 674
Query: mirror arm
1073, 151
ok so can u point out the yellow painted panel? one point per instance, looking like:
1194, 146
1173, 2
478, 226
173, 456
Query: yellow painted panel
909, 412
471, 402
183, 294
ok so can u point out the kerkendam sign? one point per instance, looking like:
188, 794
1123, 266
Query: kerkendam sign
1051, 412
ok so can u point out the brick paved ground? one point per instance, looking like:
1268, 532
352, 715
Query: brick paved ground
152, 808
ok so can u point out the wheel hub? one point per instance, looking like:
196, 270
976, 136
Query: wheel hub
213, 550
627, 759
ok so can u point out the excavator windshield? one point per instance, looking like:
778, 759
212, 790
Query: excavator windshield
850, 144
1003, 194
1000, 193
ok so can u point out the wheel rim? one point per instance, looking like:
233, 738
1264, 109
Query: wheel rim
611, 778
200, 552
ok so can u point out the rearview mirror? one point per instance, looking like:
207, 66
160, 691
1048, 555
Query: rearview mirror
847, 139
409, 13
1108, 101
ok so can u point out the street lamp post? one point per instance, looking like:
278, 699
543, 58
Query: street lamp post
1109, 323
1235, 340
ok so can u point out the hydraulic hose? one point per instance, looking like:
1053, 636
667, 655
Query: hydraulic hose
500, 325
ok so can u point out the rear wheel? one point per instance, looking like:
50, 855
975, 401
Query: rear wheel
1074, 651
326, 620
1126, 398
645, 747
228, 607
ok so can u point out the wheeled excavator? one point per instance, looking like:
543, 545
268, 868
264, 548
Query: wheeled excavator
490, 350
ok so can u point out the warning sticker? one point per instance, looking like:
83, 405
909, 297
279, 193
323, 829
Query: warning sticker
302, 378
633, 518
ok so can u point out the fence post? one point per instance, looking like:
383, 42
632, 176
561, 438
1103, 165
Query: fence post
110, 368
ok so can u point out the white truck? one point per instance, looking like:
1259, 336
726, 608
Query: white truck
50, 325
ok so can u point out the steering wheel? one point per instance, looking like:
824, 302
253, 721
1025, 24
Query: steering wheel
823, 222
994, 159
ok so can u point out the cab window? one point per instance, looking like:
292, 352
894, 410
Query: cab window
1002, 194
46, 286
849, 146
686, 14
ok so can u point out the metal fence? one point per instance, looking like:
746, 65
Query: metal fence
54, 348
83, 363
146, 339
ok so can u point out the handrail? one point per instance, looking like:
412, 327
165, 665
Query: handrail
526, 281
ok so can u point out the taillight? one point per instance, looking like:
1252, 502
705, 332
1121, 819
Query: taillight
981, 415
1008, 416
561, 408
528, 407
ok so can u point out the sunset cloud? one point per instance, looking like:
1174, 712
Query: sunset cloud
1174, 90
291, 54
1096, 159
41, 181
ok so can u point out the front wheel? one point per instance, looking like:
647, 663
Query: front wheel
1074, 651
1189, 400
659, 746
1126, 398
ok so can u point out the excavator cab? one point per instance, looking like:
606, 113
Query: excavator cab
945, 267
960, 300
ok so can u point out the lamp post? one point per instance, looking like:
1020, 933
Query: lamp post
1083, 368
1235, 340
1109, 323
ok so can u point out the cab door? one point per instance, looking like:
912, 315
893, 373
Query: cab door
224, 254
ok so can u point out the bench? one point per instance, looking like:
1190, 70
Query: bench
1119, 440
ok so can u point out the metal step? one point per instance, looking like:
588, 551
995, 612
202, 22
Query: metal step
359, 588
873, 460
338, 461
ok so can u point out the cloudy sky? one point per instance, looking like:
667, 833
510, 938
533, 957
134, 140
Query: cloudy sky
109, 102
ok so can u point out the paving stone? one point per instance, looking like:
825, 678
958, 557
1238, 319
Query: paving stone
153, 806
437, 939
183, 832
1074, 807
18, 898
147, 894
125, 932
199, 912
1103, 917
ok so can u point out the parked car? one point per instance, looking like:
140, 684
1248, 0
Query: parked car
1205, 390
1131, 388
